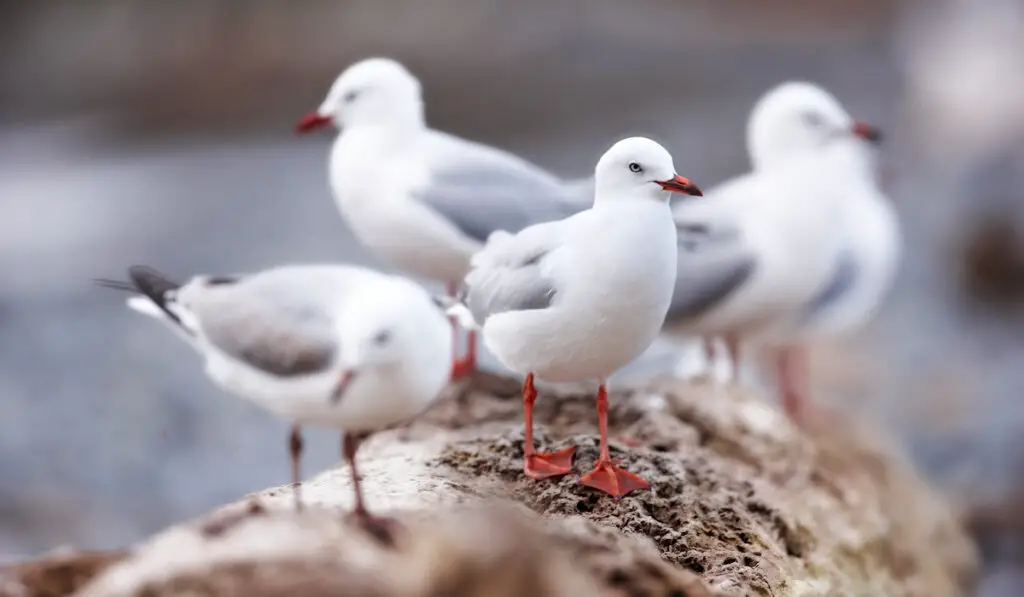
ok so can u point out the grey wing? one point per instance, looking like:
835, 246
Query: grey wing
508, 275
285, 335
713, 263
843, 279
481, 190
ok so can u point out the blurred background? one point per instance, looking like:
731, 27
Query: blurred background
162, 133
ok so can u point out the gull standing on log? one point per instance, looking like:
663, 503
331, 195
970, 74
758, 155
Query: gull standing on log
868, 231
805, 233
422, 199
334, 346
576, 299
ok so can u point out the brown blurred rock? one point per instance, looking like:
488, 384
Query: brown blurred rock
741, 503
55, 575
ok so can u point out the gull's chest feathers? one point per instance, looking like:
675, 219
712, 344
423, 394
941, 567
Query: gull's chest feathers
625, 260
370, 182
365, 168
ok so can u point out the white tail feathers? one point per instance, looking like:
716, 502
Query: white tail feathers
463, 315
145, 306
457, 310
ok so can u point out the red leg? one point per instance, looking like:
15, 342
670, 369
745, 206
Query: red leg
538, 465
791, 367
606, 476
466, 365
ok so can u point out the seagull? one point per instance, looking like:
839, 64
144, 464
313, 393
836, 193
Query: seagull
869, 231
421, 199
767, 248
327, 345
578, 298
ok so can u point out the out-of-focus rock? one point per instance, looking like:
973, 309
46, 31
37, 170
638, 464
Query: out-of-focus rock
56, 575
742, 502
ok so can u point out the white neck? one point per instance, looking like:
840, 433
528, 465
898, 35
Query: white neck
633, 196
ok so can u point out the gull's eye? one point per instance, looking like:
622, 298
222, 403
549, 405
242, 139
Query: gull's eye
382, 338
635, 168
350, 97
813, 119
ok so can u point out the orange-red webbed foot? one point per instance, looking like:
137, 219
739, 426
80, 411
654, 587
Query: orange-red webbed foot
545, 465
613, 480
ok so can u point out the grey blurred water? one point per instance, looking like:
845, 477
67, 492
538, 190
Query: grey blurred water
109, 430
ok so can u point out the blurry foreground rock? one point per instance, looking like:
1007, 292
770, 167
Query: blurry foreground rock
741, 503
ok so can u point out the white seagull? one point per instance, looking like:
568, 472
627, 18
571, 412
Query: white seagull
869, 235
767, 249
422, 199
576, 299
335, 346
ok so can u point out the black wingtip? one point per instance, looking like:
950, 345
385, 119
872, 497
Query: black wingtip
114, 284
154, 286
151, 282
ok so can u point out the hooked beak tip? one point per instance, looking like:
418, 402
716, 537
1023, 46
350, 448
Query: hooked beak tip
680, 184
867, 132
311, 122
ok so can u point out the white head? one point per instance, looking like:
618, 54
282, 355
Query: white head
394, 329
638, 167
795, 118
376, 91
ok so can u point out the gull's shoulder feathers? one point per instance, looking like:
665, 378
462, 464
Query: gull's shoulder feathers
481, 189
508, 274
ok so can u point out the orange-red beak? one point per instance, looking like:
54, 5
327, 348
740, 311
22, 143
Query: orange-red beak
867, 132
339, 389
679, 184
311, 122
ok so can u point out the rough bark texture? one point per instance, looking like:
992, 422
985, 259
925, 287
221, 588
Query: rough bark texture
742, 502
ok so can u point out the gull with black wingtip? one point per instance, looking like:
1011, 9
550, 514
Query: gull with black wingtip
334, 346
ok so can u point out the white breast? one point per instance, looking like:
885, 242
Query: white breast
371, 184
874, 238
790, 222
615, 279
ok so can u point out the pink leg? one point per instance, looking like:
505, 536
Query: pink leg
535, 464
384, 529
295, 452
709, 356
732, 343
791, 367
606, 476
466, 365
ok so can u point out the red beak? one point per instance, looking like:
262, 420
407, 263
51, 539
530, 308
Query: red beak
867, 132
679, 184
342, 385
310, 122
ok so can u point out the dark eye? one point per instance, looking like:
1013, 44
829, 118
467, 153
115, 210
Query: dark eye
382, 338
635, 168
350, 97
813, 119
